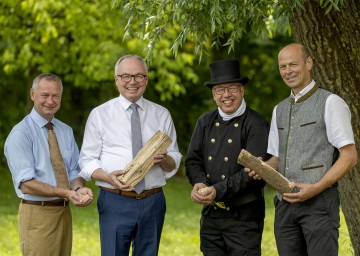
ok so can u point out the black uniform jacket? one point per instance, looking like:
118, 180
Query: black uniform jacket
214, 148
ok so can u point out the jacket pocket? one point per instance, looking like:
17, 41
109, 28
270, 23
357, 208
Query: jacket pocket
312, 167
302, 125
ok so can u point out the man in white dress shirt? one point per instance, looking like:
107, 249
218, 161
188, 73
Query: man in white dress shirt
312, 144
127, 217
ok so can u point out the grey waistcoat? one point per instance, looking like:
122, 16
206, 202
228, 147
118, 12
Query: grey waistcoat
304, 151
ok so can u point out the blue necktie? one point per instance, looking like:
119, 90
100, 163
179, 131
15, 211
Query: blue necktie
136, 140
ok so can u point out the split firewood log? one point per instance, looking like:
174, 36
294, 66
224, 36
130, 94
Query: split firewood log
266, 172
144, 160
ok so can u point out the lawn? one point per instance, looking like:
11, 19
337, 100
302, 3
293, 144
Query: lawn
181, 230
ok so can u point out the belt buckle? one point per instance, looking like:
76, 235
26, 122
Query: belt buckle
138, 197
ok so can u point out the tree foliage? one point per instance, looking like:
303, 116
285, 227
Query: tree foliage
204, 23
80, 41
207, 23
39, 35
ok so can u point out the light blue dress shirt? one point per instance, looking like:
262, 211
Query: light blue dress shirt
27, 153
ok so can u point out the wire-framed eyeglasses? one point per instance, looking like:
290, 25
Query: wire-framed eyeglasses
221, 90
127, 78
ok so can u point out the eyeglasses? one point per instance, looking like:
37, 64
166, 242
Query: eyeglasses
221, 90
127, 78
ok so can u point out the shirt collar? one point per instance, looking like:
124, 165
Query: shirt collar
126, 103
303, 91
39, 120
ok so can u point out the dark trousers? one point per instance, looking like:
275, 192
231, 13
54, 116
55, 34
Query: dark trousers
230, 236
310, 228
127, 220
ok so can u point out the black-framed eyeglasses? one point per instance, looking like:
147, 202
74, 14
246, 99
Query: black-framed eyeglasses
221, 90
127, 78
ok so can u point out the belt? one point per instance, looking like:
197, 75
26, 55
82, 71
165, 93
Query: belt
235, 202
61, 202
240, 200
142, 195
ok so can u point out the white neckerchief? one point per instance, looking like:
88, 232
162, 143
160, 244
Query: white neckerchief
238, 112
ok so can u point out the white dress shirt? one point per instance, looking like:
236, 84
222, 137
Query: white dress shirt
107, 139
337, 119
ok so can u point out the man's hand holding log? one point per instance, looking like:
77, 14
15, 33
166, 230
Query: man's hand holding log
252, 173
258, 169
153, 152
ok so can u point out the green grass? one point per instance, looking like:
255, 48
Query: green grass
180, 235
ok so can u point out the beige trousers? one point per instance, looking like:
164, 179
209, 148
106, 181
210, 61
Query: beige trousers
45, 230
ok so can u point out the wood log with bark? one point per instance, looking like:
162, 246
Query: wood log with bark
266, 172
144, 160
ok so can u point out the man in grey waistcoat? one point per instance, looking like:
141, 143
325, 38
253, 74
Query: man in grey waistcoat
312, 144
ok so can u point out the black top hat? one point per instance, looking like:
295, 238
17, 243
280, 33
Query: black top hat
225, 71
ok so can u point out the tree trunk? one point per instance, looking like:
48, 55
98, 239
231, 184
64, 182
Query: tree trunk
333, 40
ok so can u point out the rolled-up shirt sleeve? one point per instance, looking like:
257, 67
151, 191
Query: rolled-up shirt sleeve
173, 150
338, 122
273, 141
18, 152
74, 168
89, 159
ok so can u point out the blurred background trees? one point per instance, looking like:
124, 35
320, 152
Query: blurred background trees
81, 40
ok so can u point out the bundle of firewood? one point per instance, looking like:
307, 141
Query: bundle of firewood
144, 160
266, 172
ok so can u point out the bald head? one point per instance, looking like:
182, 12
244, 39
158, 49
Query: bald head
295, 66
296, 47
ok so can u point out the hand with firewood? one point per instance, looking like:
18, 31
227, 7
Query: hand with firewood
258, 169
166, 163
202, 194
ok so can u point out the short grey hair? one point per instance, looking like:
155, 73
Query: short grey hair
46, 76
131, 56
